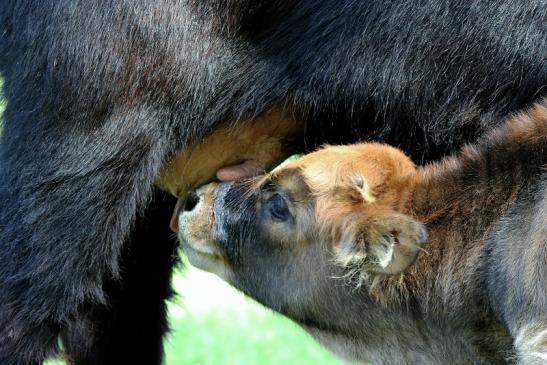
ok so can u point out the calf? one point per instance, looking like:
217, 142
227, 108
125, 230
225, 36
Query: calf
388, 263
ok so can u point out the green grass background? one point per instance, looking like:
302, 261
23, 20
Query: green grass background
213, 324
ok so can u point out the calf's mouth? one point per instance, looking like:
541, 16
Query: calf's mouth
196, 226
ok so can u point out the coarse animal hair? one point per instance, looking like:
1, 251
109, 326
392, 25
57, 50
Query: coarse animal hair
474, 295
100, 94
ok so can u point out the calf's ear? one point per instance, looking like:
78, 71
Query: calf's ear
386, 243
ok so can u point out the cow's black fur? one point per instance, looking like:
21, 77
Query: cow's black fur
101, 93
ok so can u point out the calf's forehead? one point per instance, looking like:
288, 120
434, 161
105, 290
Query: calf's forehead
332, 166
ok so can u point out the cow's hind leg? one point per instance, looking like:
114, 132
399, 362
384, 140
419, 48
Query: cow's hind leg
130, 329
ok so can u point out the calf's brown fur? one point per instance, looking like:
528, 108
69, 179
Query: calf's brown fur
337, 242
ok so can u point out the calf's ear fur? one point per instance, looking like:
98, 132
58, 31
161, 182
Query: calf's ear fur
386, 243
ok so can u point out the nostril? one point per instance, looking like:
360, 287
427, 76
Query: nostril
191, 201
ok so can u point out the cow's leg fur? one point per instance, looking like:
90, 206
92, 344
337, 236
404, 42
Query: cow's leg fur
131, 327
72, 201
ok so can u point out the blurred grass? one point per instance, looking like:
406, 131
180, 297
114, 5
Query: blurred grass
213, 324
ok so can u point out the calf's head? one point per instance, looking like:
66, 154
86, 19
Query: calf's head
289, 238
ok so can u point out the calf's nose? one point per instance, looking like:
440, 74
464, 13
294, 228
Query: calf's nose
185, 205
192, 199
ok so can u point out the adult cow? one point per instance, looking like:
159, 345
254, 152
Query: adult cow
101, 94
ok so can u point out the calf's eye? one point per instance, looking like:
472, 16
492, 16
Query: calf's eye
277, 207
